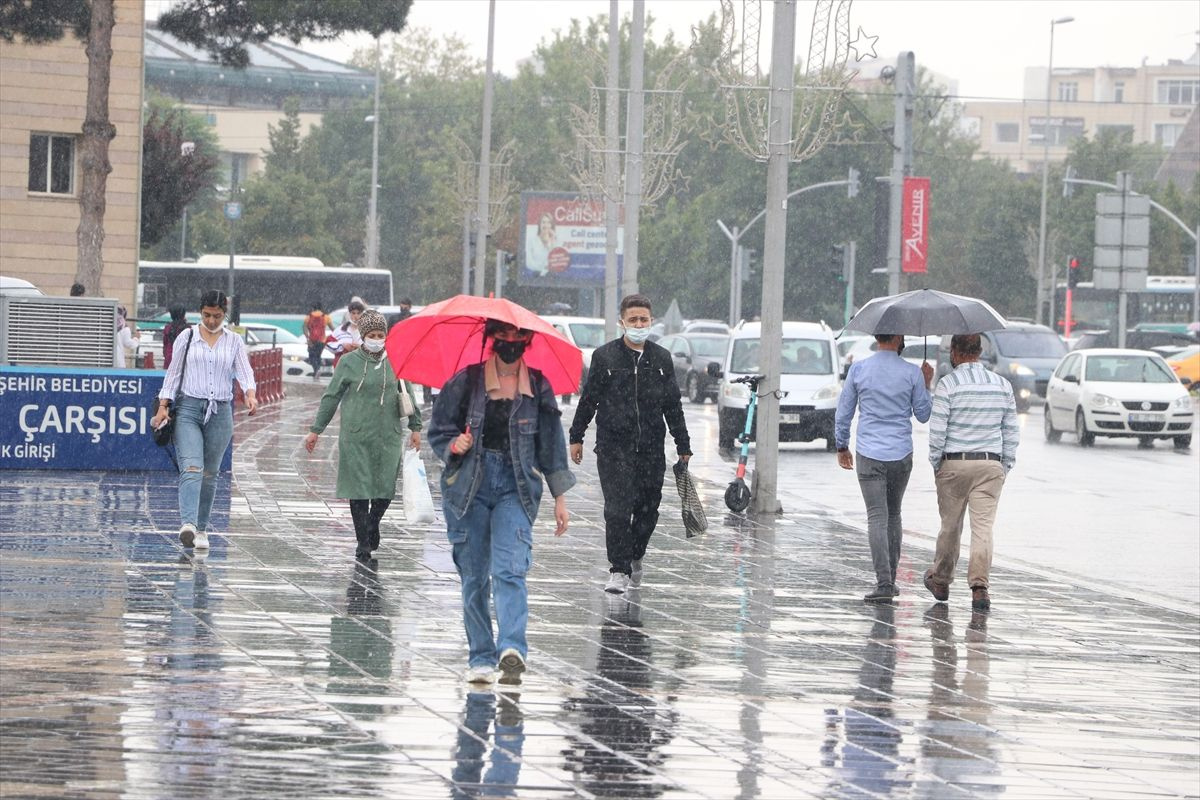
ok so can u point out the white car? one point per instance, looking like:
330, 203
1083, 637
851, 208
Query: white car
808, 376
917, 350
295, 348
1121, 393
586, 333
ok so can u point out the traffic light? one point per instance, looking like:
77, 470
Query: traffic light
837, 260
1072, 272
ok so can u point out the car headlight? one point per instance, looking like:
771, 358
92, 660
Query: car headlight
1182, 402
1103, 400
1017, 368
828, 392
295, 358
738, 391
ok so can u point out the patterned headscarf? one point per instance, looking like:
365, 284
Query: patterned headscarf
371, 320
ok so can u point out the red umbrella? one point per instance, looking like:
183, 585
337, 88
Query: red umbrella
432, 345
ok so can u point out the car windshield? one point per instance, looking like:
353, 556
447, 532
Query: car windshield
587, 334
1030, 344
800, 357
1128, 369
275, 335
710, 346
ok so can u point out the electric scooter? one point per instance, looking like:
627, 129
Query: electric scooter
737, 494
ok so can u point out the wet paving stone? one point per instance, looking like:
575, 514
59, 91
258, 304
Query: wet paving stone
745, 666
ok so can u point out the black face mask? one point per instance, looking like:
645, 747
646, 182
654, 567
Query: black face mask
509, 352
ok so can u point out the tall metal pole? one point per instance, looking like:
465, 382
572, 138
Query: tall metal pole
1041, 274
735, 276
901, 161
779, 147
612, 168
373, 211
633, 147
183, 237
485, 158
1124, 183
851, 256
466, 254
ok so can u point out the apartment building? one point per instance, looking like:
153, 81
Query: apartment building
1152, 103
43, 93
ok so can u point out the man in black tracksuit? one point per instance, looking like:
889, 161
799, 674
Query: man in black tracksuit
630, 390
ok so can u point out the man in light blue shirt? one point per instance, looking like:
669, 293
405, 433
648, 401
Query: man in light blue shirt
888, 392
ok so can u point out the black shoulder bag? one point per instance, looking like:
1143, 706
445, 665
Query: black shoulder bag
165, 435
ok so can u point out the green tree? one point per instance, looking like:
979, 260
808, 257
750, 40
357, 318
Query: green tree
284, 139
179, 164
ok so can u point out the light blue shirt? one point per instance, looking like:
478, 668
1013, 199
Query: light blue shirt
888, 392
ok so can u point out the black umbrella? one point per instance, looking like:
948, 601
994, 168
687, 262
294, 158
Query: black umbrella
925, 312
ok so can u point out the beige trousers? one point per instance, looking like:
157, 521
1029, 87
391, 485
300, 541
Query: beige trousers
963, 486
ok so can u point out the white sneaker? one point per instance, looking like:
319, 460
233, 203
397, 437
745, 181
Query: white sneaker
511, 667
481, 675
201, 541
618, 582
187, 534
635, 574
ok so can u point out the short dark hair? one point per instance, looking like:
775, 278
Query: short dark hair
214, 298
404, 301
968, 344
356, 306
886, 338
494, 326
635, 301
77, 290
178, 313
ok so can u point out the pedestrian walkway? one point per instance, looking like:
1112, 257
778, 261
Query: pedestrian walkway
746, 666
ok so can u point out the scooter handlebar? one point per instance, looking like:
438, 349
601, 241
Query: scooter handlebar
753, 380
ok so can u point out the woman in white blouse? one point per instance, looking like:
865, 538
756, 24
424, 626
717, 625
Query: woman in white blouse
204, 409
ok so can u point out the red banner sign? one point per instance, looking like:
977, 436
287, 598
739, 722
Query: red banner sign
914, 225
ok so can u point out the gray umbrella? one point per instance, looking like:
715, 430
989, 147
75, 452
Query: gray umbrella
926, 312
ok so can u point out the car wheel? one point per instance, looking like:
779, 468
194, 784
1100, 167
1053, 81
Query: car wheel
1052, 435
693, 389
1183, 442
830, 446
1085, 437
727, 430
1145, 442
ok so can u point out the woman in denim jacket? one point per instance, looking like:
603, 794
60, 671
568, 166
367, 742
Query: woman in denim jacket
491, 490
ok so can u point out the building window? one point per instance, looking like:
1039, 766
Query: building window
51, 163
1119, 92
1061, 131
1068, 92
1167, 133
1179, 93
1008, 132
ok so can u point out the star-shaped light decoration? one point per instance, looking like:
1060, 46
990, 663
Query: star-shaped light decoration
868, 47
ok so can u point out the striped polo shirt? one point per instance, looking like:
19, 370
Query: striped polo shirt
210, 369
974, 412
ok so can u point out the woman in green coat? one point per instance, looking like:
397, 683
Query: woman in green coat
375, 409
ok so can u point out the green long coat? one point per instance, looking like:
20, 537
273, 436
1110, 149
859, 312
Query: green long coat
373, 437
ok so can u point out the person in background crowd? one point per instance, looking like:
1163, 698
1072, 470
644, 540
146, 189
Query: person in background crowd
973, 438
631, 389
887, 393
491, 491
77, 290
171, 331
203, 399
127, 340
370, 445
405, 309
345, 337
316, 332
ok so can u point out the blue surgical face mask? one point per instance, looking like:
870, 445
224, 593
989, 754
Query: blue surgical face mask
637, 335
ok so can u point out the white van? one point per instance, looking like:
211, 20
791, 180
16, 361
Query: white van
17, 287
808, 375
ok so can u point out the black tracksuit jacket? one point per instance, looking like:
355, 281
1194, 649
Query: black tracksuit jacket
630, 398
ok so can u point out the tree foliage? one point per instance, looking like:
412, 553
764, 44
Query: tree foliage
172, 178
225, 27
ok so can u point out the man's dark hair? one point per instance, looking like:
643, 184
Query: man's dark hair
635, 301
404, 301
315, 306
967, 344
77, 290
494, 326
886, 338
214, 298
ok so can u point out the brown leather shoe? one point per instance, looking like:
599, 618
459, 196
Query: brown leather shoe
980, 601
940, 591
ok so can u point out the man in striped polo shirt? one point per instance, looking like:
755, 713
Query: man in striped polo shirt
973, 437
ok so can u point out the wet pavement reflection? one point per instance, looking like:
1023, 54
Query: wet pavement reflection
746, 666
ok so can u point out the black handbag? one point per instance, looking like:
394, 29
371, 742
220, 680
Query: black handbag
166, 434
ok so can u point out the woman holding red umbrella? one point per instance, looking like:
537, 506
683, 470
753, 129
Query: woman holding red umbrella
496, 426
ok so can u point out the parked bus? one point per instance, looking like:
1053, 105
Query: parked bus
276, 290
1165, 303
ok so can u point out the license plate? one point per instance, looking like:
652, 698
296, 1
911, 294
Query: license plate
1145, 417
789, 419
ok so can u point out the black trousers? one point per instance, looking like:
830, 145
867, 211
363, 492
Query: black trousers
366, 515
632, 486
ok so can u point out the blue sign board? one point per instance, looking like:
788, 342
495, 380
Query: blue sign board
233, 211
69, 418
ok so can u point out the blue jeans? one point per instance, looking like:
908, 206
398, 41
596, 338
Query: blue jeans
882, 484
493, 548
199, 448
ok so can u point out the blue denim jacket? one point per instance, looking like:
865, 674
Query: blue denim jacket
535, 434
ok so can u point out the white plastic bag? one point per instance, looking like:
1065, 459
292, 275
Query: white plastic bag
418, 502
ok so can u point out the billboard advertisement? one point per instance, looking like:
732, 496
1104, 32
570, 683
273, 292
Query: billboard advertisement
563, 238
914, 225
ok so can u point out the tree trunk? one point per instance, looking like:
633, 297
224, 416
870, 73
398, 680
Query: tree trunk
94, 163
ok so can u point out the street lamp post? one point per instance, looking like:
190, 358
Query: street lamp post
373, 211
1041, 281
